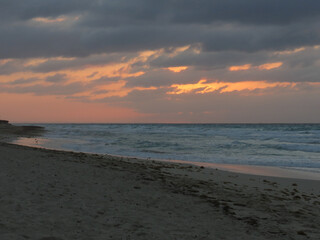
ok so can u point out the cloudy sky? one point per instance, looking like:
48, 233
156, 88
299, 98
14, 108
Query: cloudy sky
160, 61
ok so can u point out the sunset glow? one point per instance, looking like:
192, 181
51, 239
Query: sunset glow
269, 66
49, 20
177, 69
109, 108
266, 66
291, 51
223, 87
102, 54
240, 68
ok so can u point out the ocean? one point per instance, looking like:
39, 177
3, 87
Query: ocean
284, 145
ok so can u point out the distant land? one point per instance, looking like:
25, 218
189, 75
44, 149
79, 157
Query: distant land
9, 130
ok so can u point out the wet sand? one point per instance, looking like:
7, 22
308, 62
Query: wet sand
283, 172
48, 194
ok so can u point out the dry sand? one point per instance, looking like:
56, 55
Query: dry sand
48, 194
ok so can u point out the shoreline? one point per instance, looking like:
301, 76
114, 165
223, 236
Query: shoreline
269, 171
70, 195
286, 171
232, 169
255, 170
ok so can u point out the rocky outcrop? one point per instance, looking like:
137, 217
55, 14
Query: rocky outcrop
7, 129
4, 122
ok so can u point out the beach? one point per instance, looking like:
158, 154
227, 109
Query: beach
159, 120
50, 194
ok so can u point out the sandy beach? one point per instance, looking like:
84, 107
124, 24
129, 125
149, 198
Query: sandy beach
48, 194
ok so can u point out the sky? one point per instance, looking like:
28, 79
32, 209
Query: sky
168, 61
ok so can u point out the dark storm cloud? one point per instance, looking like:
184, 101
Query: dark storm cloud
203, 11
247, 11
123, 25
57, 78
52, 65
160, 78
23, 42
27, 42
11, 67
255, 38
168, 11
16, 10
210, 60
103, 81
24, 81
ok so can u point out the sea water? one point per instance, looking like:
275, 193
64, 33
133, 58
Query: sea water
285, 145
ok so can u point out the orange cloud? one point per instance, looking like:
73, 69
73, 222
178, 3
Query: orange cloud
100, 91
177, 69
240, 67
60, 19
113, 69
49, 20
269, 66
222, 87
266, 66
110, 70
117, 69
290, 51
4, 61
178, 50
